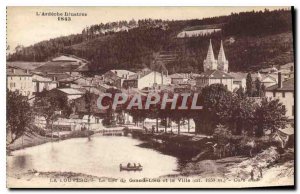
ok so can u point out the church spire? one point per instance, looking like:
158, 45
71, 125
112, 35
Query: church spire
222, 62
210, 62
210, 54
221, 56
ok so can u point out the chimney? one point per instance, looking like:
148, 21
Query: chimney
27, 72
279, 80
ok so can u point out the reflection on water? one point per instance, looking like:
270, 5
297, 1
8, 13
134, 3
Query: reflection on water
100, 157
21, 162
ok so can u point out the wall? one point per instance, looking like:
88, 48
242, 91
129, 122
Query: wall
149, 80
22, 83
227, 82
287, 101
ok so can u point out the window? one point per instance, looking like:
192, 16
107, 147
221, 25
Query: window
283, 94
274, 94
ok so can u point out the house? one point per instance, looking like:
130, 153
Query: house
284, 91
146, 79
269, 80
210, 77
116, 77
20, 80
269, 70
70, 93
266, 79
77, 122
239, 80
41, 83
63, 64
202, 30
179, 78
287, 70
83, 106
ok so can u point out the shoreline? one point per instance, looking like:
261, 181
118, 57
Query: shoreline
212, 179
34, 139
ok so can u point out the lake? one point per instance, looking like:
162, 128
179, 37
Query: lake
101, 156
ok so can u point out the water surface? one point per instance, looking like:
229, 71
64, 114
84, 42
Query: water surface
101, 156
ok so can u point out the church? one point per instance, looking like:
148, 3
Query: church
215, 71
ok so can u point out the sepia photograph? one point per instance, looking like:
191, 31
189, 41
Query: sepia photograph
150, 97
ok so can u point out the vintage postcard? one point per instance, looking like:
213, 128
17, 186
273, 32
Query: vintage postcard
150, 97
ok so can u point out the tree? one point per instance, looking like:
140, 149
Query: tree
47, 105
249, 89
241, 114
214, 99
263, 90
222, 134
269, 115
240, 92
19, 116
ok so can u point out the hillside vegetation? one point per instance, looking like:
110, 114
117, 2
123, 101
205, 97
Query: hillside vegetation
252, 40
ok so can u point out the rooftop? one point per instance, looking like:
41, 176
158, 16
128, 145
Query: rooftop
58, 66
238, 75
24, 64
70, 91
287, 85
178, 76
215, 74
66, 58
17, 72
122, 72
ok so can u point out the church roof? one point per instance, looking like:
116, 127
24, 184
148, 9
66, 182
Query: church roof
215, 74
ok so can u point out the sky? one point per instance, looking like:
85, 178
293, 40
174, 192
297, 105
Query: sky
25, 27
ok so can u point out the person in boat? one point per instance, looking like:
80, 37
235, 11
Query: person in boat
134, 165
139, 165
128, 165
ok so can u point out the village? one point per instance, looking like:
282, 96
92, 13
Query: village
64, 98
65, 76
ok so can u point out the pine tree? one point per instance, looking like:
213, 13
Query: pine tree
249, 89
258, 87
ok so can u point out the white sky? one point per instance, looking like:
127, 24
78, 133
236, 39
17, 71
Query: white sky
25, 28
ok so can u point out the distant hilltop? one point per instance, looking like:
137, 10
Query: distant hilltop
201, 30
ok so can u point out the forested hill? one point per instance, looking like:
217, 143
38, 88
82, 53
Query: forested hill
252, 40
